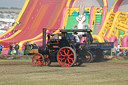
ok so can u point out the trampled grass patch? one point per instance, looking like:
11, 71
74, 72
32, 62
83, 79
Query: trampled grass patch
23, 72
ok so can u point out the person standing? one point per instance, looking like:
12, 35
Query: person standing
0, 48
26, 50
117, 50
10, 49
13, 52
113, 50
17, 48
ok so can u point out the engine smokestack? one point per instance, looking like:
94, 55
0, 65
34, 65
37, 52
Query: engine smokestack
44, 37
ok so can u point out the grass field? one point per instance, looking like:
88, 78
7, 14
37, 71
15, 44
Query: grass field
22, 72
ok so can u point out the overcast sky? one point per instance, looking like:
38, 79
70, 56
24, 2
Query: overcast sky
19, 3
12, 3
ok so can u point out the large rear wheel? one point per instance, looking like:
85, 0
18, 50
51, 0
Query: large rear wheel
38, 59
66, 57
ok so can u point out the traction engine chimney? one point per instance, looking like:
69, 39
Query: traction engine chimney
44, 37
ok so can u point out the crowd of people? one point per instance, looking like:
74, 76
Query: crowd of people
28, 47
14, 49
117, 51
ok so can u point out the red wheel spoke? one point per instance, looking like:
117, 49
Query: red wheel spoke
66, 56
35, 62
69, 63
61, 54
71, 54
65, 61
40, 59
71, 59
38, 62
68, 51
37, 59
64, 52
61, 59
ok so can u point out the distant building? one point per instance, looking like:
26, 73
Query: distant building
6, 20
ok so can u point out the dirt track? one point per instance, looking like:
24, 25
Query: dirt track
56, 64
29, 62
30, 57
16, 72
16, 56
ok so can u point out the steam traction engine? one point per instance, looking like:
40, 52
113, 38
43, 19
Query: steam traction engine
64, 49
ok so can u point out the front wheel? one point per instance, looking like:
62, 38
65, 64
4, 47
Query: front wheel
38, 59
66, 57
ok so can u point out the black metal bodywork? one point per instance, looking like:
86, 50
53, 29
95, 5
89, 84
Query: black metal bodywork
66, 39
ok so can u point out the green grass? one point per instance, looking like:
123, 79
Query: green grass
26, 60
118, 61
17, 60
102, 73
